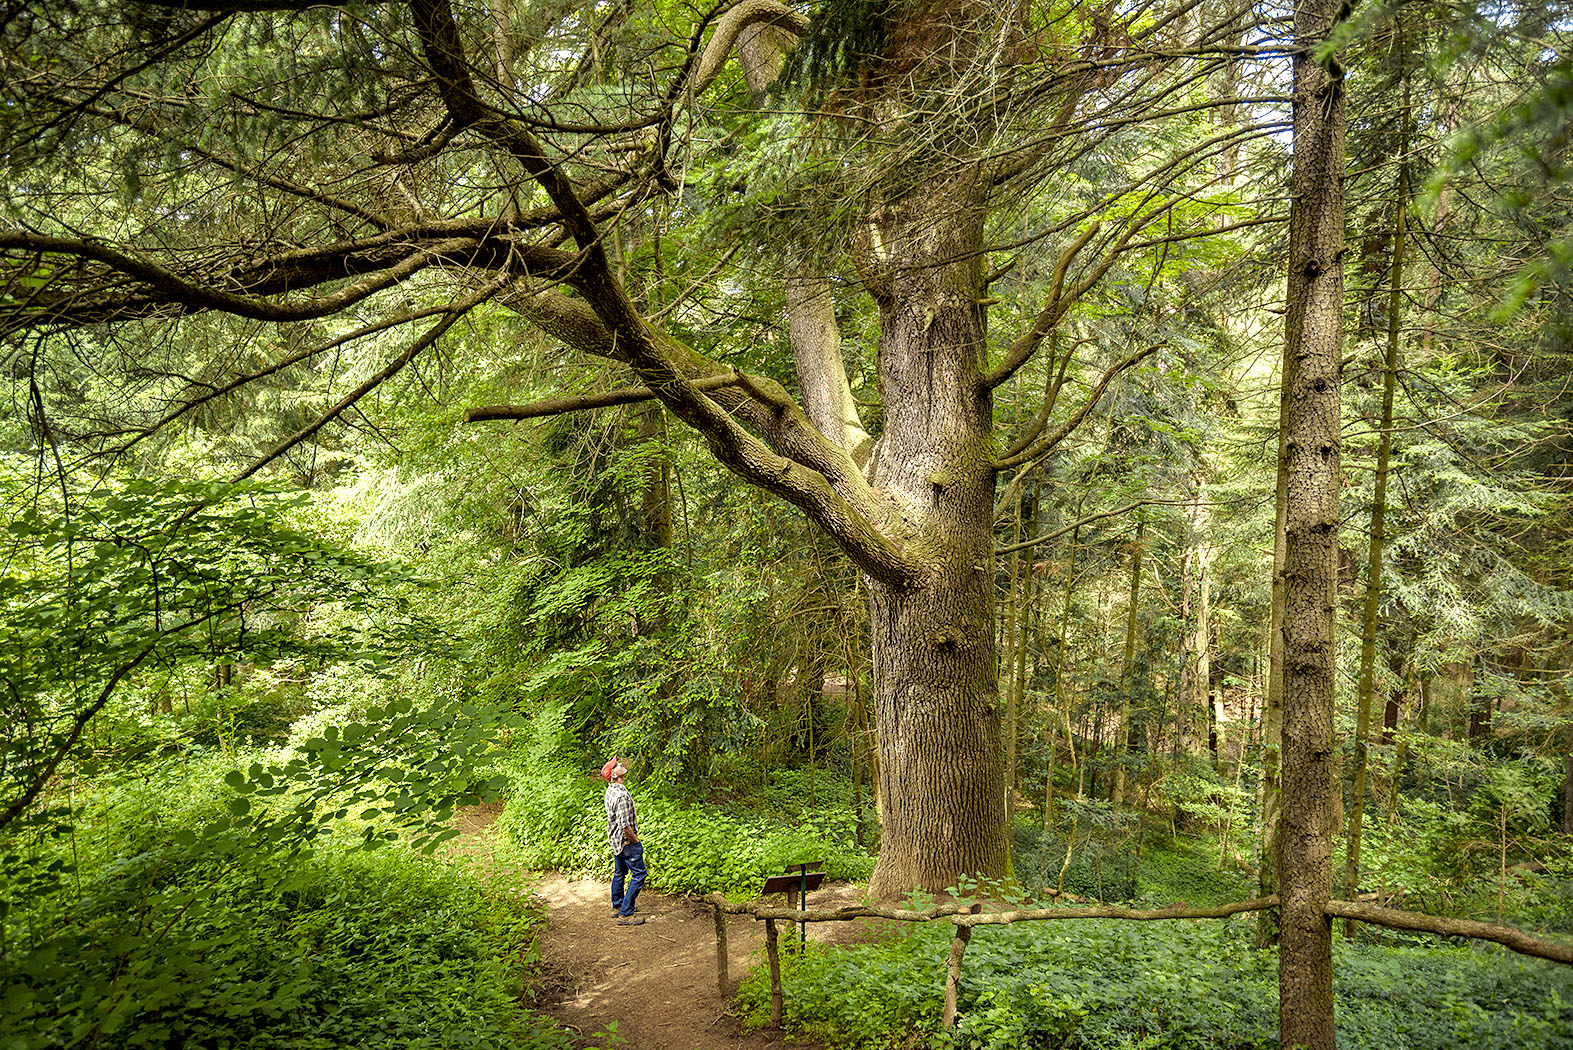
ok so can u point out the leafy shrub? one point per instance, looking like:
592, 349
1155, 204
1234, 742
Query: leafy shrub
555, 819
1119, 985
175, 930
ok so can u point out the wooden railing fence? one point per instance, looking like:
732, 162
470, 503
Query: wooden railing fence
965, 917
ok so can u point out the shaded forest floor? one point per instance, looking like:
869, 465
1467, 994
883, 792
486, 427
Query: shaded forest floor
655, 983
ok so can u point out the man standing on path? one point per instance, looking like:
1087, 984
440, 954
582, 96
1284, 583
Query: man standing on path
622, 831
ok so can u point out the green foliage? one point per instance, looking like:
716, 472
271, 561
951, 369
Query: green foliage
555, 819
1185, 868
1107, 984
1089, 854
171, 931
165, 575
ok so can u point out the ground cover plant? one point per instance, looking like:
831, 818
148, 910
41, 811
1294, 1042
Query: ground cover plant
1200, 985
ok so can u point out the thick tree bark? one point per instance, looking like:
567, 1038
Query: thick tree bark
1313, 335
935, 668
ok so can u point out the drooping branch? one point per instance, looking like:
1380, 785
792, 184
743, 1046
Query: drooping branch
215, 392
1054, 307
1053, 384
431, 335
1396, 919
85, 281
163, 287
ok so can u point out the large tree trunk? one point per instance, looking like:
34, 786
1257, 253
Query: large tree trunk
1313, 334
935, 668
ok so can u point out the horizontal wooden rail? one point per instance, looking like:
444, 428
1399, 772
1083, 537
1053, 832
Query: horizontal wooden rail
1393, 918
965, 917
1223, 911
844, 914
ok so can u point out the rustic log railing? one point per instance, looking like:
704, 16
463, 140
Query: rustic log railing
965, 917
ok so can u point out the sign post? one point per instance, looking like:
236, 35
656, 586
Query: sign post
798, 880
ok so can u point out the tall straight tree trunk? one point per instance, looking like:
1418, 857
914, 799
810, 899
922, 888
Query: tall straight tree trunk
1314, 345
1122, 728
1373, 585
1059, 684
1193, 721
935, 668
1270, 793
1014, 639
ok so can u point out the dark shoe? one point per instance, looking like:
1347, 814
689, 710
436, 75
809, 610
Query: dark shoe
631, 920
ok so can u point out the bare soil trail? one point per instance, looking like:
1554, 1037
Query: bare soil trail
656, 983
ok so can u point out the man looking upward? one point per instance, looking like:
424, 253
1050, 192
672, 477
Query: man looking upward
622, 831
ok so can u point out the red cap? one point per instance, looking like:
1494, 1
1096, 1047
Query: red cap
606, 770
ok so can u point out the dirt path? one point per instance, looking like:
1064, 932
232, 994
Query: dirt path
656, 982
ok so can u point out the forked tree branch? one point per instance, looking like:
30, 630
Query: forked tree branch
1046, 444
796, 462
1054, 308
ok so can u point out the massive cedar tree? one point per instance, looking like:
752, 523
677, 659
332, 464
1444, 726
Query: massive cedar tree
329, 155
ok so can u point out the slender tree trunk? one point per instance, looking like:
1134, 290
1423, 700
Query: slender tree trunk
1313, 333
1567, 787
1059, 682
1192, 720
1270, 794
1122, 728
1015, 612
1373, 585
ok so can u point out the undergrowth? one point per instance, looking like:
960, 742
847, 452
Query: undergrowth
1111, 985
555, 819
149, 936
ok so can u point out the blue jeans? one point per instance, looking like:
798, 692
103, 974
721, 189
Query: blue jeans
628, 864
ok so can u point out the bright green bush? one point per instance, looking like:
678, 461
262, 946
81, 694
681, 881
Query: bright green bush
171, 930
555, 819
1110, 985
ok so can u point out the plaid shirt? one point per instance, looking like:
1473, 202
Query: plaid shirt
619, 815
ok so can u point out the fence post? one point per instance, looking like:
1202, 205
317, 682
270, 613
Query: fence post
958, 946
775, 974
723, 979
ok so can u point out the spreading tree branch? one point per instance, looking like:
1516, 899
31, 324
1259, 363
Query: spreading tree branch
430, 336
1047, 444
581, 402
